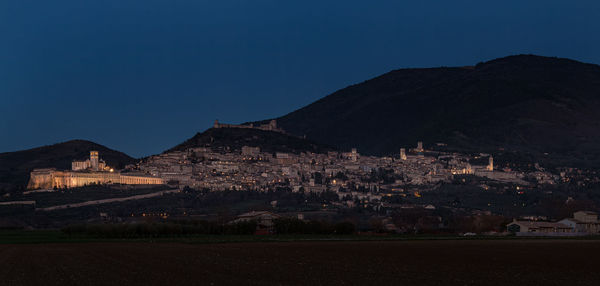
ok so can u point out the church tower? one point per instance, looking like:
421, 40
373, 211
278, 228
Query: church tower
490, 166
419, 147
354, 155
94, 160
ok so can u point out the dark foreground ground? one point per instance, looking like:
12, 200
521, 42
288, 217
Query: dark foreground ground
465, 262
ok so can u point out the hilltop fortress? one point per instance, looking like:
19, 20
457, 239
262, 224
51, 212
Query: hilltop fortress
271, 126
91, 171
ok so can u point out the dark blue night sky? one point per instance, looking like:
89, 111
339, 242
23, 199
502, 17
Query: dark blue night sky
142, 76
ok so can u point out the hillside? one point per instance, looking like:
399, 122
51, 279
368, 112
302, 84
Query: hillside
525, 103
16, 166
235, 138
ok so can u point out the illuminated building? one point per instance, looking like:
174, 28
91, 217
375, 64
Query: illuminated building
88, 172
490, 166
94, 163
52, 178
94, 160
250, 151
419, 147
354, 155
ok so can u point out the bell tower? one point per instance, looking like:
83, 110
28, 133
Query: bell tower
94, 160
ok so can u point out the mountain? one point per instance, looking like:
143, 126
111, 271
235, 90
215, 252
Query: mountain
16, 166
526, 103
236, 138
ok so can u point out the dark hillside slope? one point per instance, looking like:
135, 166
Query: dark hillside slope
526, 103
16, 166
235, 138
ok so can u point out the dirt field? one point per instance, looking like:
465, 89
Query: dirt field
485, 262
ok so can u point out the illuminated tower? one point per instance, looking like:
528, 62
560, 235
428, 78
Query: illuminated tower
419, 146
354, 155
490, 166
402, 154
94, 160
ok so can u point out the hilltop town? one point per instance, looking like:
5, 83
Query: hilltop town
418, 188
349, 174
341, 172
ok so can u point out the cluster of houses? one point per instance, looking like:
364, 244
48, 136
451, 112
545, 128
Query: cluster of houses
342, 172
582, 223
